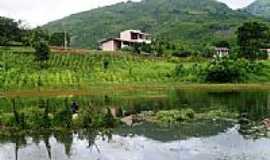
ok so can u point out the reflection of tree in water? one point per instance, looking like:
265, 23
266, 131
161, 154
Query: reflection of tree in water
253, 110
198, 128
18, 141
91, 134
46, 139
66, 139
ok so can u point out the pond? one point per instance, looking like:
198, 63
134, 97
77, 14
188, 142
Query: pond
223, 138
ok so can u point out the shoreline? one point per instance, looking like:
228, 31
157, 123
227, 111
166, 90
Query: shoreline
105, 89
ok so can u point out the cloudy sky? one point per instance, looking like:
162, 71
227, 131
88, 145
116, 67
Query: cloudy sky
38, 12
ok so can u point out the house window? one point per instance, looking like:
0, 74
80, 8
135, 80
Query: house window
134, 36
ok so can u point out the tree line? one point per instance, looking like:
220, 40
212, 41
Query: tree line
13, 33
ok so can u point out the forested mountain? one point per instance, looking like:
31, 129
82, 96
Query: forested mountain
259, 8
191, 22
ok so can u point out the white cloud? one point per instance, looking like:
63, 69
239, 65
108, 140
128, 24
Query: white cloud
38, 12
235, 4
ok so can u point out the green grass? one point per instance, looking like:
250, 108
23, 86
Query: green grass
19, 71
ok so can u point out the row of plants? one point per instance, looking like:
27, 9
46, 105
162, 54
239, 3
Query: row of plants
20, 70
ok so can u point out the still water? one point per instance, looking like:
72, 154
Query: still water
212, 139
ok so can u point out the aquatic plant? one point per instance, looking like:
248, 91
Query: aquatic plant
173, 116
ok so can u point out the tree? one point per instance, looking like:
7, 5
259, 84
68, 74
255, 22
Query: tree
252, 37
39, 35
222, 43
42, 52
9, 30
59, 38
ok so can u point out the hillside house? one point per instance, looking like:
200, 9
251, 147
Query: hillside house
222, 52
267, 50
127, 38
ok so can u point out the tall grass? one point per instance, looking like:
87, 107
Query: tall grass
20, 71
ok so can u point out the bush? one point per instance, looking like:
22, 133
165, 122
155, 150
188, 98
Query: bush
262, 55
41, 51
182, 54
128, 49
180, 70
228, 69
225, 70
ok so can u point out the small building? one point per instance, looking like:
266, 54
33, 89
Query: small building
127, 38
222, 51
267, 50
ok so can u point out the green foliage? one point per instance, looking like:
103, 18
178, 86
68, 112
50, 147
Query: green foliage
38, 35
182, 54
59, 38
227, 69
259, 8
42, 51
252, 37
215, 114
193, 22
92, 117
63, 118
9, 30
76, 71
222, 44
7, 119
262, 55
174, 116
208, 51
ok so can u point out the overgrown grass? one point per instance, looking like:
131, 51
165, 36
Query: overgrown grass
72, 70
20, 71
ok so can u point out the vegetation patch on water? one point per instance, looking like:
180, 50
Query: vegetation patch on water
185, 115
178, 116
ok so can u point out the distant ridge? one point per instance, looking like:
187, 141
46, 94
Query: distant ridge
193, 22
259, 8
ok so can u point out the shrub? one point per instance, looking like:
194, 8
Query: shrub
182, 54
262, 55
7, 119
128, 49
180, 70
225, 70
106, 63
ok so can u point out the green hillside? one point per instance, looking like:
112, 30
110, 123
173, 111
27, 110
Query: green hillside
259, 8
193, 22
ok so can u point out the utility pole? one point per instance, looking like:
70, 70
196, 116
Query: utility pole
65, 40
65, 36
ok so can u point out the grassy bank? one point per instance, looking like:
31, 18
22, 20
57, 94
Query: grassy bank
147, 89
84, 70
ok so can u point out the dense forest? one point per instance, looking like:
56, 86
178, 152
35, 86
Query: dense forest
184, 22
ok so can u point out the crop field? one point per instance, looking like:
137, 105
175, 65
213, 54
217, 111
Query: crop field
19, 70
79, 70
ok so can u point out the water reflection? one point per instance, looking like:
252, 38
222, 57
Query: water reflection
205, 140
144, 142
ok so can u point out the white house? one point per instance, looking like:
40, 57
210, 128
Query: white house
222, 51
126, 38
